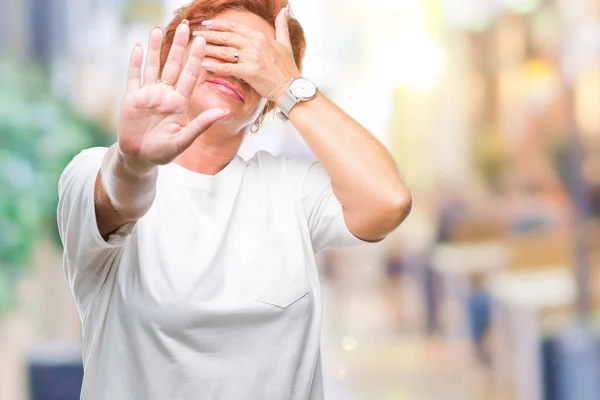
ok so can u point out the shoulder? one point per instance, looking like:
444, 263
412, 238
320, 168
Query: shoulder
92, 155
92, 152
85, 160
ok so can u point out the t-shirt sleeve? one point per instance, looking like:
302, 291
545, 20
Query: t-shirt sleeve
324, 213
84, 248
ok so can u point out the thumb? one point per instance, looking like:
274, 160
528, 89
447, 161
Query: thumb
282, 30
198, 126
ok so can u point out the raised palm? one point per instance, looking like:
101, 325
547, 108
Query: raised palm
153, 123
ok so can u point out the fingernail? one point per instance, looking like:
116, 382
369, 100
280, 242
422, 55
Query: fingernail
158, 27
185, 22
225, 110
138, 44
288, 12
207, 22
198, 33
206, 64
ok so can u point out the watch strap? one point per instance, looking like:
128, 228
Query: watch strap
288, 101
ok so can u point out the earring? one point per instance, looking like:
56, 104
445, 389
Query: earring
257, 124
255, 127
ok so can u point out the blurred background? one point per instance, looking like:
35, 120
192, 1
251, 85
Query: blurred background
491, 108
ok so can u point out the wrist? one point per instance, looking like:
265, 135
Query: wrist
129, 184
133, 166
299, 90
279, 99
282, 89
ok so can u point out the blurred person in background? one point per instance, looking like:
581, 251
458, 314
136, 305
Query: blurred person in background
450, 210
392, 288
193, 270
479, 308
532, 209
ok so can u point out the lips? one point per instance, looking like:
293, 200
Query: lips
227, 88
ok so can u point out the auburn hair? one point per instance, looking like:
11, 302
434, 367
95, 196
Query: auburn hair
201, 10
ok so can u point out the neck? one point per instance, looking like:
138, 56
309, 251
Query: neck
210, 153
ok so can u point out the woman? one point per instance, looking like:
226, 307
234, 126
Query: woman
192, 269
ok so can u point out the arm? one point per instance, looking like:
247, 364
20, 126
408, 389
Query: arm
153, 129
133, 187
364, 177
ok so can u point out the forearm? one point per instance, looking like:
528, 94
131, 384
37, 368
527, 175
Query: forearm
125, 190
364, 176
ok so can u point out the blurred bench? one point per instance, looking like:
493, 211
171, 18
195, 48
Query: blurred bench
519, 280
460, 267
540, 250
521, 302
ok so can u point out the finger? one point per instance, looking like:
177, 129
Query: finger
198, 126
224, 38
225, 69
282, 30
152, 67
176, 56
231, 26
134, 76
191, 71
227, 54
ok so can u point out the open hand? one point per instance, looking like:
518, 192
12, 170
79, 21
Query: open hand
153, 124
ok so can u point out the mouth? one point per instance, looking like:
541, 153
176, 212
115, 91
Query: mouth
228, 89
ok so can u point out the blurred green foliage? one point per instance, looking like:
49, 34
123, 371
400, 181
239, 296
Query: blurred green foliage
39, 135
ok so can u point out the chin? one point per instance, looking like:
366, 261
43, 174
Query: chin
226, 121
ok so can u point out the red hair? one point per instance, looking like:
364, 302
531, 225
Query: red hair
201, 10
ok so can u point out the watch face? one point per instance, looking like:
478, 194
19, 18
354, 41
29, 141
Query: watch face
303, 88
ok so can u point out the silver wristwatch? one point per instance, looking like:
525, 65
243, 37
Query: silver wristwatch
301, 89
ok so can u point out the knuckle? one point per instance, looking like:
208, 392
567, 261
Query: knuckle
225, 37
232, 24
191, 71
223, 52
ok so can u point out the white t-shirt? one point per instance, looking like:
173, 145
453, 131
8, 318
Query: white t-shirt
214, 293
